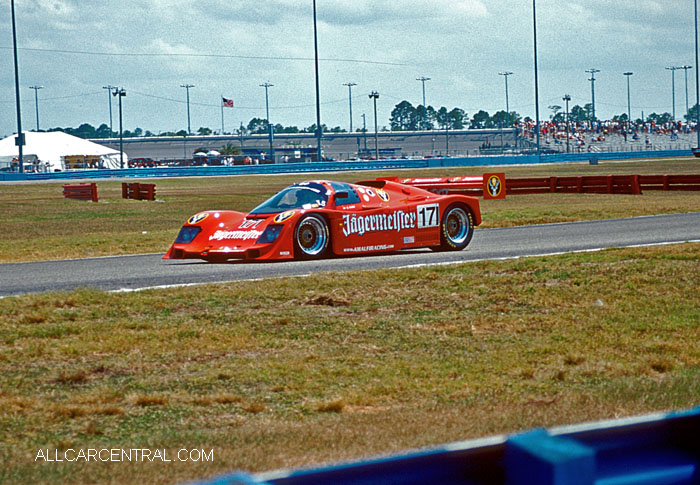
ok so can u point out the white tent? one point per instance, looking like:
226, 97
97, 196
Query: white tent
49, 151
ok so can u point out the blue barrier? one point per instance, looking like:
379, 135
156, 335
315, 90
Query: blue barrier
159, 172
652, 450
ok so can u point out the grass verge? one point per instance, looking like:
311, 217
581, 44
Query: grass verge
299, 371
39, 224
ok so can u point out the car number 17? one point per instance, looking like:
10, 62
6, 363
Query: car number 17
428, 215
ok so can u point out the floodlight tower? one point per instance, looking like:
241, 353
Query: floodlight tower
673, 70
350, 85
374, 96
270, 134
187, 87
592, 80
629, 111
36, 103
505, 74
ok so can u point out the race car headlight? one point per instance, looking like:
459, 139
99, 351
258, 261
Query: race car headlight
270, 234
187, 234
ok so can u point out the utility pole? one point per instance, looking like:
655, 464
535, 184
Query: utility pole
673, 70
350, 85
629, 111
36, 103
685, 68
187, 87
697, 79
319, 130
109, 88
505, 74
537, 96
270, 129
592, 80
567, 98
19, 140
374, 96
364, 130
422, 79
120, 92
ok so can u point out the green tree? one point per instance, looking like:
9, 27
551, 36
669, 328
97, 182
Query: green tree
692, 114
660, 119
500, 119
578, 114
456, 118
555, 111
403, 117
229, 149
103, 131
202, 131
425, 117
480, 120
257, 126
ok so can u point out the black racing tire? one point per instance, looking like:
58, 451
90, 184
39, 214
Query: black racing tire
311, 237
456, 228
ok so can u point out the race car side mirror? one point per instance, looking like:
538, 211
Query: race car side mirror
341, 195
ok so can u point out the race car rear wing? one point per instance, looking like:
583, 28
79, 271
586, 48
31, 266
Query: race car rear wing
487, 185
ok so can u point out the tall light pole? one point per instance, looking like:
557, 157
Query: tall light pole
422, 79
36, 103
364, 130
374, 96
505, 74
629, 110
187, 87
120, 92
319, 130
109, 88
592, 80
537, 95
685, 68
270, 129
567, 98
673, 70
19, 140
350, 85
697, 79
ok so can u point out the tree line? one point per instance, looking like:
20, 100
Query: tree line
404, 117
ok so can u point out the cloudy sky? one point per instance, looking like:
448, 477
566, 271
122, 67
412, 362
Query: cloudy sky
151, 47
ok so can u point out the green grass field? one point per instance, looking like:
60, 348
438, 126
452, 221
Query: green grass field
300, 371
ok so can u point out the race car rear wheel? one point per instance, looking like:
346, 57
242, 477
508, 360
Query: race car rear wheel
311, 237
456, 228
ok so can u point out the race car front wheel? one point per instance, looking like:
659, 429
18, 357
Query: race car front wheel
456, 228
311, 237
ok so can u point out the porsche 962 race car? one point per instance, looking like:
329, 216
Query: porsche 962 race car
319, 218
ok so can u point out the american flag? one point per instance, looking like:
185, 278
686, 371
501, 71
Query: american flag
228, 103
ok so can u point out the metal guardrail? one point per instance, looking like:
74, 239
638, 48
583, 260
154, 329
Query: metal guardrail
389, 164
661, 449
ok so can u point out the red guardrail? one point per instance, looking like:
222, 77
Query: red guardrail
80, 191
138, 191
584, 184
669, 182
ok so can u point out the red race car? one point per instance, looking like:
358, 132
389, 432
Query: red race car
320, 218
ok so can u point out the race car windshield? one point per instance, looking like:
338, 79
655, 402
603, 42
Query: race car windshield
307, 196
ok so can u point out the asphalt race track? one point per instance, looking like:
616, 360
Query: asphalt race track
149, 270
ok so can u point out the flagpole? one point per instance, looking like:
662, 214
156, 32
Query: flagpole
222, 114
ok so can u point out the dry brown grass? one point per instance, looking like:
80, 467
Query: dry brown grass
39, 224
295, 372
